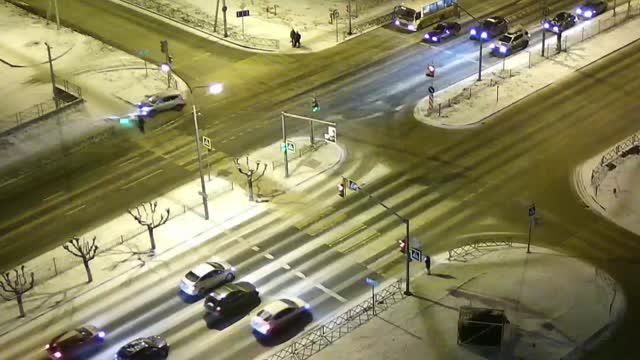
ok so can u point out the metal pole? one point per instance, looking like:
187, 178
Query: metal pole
284, 141
349, 13
166, 60
311, 134
529, 241
55, 5
480, 62
336, 25
53, 77
242, 26
373, 300
224, 17
215, 19
545, 10
204, 189
407, 290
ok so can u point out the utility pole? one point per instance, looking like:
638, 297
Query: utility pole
284, 141
53, 77
545, 13
532, 215
480, 40
224, 17
203, 193
349, 13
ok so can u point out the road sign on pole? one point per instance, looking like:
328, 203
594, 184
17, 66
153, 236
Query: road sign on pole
371, 282
331, 135
431, 71
206, 142
242, 13
291, 146
432, 90
416, 254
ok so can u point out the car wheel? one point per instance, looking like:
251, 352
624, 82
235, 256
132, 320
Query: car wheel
230, 277
179, 107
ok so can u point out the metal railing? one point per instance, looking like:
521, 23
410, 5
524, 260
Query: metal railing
473, 246
34, 112
612, 159
71, 88
325, 334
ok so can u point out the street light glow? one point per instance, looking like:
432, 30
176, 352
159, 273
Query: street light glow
215, 88
165, 67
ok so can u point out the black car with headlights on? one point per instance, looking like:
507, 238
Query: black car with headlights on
149, 348
76, 343
232, 299
489, 28
591, 9
561, 22
511, 42
440, 31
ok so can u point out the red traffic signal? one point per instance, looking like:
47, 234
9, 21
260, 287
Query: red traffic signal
431, 71
341, 190
403, 246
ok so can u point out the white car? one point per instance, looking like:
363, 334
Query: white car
153, 104
207, 276
278, 314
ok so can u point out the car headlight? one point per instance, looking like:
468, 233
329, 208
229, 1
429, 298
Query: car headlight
492, 46
556, 29
484, 35
397, 22
472, 31
503, 49
101, 334
57, 355
411, 27
434, 38
588, 13
427, 36
578, 11
546, 25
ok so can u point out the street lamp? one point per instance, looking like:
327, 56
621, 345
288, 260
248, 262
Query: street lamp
214, 89
481, 43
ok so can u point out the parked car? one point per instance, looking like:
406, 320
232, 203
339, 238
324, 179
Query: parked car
561, 22
153, 104
442, 30
207, 276
75, 343
278, 315
591, 8
491, 27
232, 299
511, 42
148, 348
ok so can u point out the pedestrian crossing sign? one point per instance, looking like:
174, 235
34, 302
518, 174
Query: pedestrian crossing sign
416, 254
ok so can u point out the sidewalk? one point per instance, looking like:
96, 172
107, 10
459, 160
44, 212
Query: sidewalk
546, 319
124, 245
469, 103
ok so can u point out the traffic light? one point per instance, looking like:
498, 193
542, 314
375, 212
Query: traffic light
314, 105
341, 190
403, 246
431, 71
170, 58
164, 46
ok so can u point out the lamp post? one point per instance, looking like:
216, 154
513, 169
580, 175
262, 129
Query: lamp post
213, 89
481, 43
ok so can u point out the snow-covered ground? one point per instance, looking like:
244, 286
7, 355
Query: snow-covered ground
109, 78
309, 17
514, 79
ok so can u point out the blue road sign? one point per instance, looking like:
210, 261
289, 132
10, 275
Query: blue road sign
416, 254
371, 282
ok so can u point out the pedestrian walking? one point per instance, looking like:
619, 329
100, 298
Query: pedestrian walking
298, 37
292, 35
427, 264
615, 192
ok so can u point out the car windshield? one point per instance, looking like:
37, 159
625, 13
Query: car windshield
506, 38
192, 277
404, 12
440, 27
488, 23
153, 100
264, 315
591, 2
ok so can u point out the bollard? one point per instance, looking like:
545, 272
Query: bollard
529, 59
449, 102
439, 109
497, 90
55, 268
582, 34
469, 92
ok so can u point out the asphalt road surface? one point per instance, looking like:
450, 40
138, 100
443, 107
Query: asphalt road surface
526, 153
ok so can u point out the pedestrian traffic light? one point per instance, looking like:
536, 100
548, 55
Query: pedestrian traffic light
431, 71
341, 190
403, 246
170, 58
164, 46
314, 105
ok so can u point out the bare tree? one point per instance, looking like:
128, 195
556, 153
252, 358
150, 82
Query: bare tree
16, 287
249, 173
85, 249
147, 217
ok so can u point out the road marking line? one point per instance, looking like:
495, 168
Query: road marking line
331, 292
128, 161
398, 108
347, 235
361, 242
269, 256
317, 218
142, 178
52, 196
74, 210
300, 275
315, 230
286, 266
9, 181
255, 248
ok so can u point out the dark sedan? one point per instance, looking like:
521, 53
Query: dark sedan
442, 31
561, 22
591, 9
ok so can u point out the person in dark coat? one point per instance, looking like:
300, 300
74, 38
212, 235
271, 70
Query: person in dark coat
427, 264
298, 37
292, 35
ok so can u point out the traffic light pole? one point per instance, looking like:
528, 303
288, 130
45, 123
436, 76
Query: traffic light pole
284, 115
284, 141
545, 12
407, 290
203, 193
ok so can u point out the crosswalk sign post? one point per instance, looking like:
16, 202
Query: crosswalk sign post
416, 254
206, 142
373, 283
291, 146
532, 215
